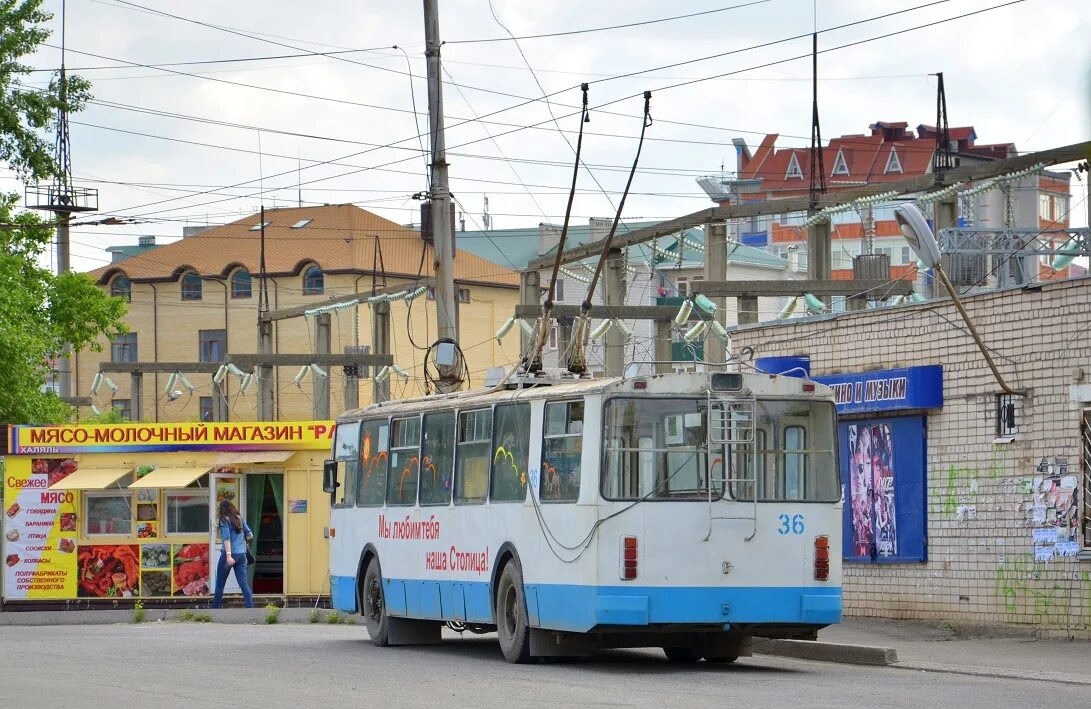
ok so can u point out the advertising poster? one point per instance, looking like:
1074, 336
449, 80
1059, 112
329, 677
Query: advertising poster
871, 483
40, 529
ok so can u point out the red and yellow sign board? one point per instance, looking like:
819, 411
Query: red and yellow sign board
40, 531
166, 437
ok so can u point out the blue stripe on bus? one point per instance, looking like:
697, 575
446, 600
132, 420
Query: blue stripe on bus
579, 608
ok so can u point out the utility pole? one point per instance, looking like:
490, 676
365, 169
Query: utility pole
446, 315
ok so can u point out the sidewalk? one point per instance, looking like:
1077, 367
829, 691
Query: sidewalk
991, 652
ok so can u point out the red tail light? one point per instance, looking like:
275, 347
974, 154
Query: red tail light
628, 558
821, 558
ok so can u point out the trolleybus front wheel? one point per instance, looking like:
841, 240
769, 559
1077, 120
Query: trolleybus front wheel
511, 616
373, 605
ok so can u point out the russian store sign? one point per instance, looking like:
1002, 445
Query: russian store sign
40, 531
163, 437
887, 389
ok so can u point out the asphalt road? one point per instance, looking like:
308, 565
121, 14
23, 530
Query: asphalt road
190, 665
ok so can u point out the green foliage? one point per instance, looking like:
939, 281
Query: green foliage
313, 616
272, 614
138, 612
335, 618
108, 416
190, 616
27, 116
39, 312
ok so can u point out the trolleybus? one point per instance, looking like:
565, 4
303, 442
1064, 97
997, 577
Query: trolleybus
690, 512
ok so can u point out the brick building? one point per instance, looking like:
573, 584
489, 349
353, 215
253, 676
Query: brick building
890, 152
973, 507
196, 300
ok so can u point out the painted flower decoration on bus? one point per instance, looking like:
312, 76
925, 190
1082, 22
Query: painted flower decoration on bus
369, 461
503, 453
406, 472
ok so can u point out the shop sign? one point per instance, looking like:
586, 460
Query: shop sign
167, 437
40, 530
887, 389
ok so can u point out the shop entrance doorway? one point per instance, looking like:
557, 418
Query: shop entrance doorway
265, 515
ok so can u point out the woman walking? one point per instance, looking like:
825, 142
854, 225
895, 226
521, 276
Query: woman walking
235, 533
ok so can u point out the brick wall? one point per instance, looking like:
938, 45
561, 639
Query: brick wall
981, 567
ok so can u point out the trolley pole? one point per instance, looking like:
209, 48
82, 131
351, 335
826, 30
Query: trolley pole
442, 234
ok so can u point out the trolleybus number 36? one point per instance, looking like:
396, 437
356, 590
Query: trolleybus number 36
792, 525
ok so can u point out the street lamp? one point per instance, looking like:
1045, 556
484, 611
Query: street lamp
916, 231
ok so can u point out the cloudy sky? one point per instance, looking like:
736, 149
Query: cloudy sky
171, 142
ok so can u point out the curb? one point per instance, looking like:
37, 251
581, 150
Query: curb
995, 672
222, 616
828, 652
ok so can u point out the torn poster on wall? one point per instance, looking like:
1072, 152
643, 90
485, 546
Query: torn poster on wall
1051, 512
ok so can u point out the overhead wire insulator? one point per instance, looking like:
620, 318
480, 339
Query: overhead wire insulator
694, 332
683, 312
505, 329
602, 329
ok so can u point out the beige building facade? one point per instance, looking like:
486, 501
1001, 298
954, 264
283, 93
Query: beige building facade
999, 529
196, 300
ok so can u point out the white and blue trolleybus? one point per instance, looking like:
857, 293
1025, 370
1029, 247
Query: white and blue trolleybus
690, 512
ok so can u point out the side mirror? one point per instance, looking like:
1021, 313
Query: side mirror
329, 476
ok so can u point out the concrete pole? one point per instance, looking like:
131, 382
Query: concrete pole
321, 385
352, 384
136, 396
614, 285
265, 373
380, 344
818, 252
663, 347
529, 294
442, 231
219, 402
944, 216
64, 363
716, 270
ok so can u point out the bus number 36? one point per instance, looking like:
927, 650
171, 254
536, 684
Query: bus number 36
790, 525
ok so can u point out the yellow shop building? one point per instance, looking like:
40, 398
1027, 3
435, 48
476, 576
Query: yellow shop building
125, 511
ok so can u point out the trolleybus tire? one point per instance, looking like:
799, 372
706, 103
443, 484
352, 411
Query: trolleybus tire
681, 655
721, 659
511, 615
373, 605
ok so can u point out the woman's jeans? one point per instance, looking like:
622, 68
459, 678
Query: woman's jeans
240, 576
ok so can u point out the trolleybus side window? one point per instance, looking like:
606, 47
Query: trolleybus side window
562, 449
346, 450
657, 448
437, 458
472, 455
404, 461
374, 460
511, 453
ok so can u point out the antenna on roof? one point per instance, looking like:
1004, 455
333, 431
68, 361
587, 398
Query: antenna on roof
298, 184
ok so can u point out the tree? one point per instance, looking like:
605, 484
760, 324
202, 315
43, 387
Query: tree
28, 115
39, 311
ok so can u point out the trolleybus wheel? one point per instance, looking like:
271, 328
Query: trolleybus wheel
721, 659
373, 605
511, 616
682, 655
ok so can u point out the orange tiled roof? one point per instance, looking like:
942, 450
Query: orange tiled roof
339, 237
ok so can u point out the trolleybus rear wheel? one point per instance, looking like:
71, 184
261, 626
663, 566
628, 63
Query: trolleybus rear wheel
721, 659
373, 605
511, 615
682, 655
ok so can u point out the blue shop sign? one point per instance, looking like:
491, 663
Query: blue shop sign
887, 389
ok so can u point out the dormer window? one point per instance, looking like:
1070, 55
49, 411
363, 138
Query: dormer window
313, 281
191, 286
795, 172
120, 287
893, 164
840, 165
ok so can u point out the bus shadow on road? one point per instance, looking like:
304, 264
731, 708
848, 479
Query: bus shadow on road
635, 661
